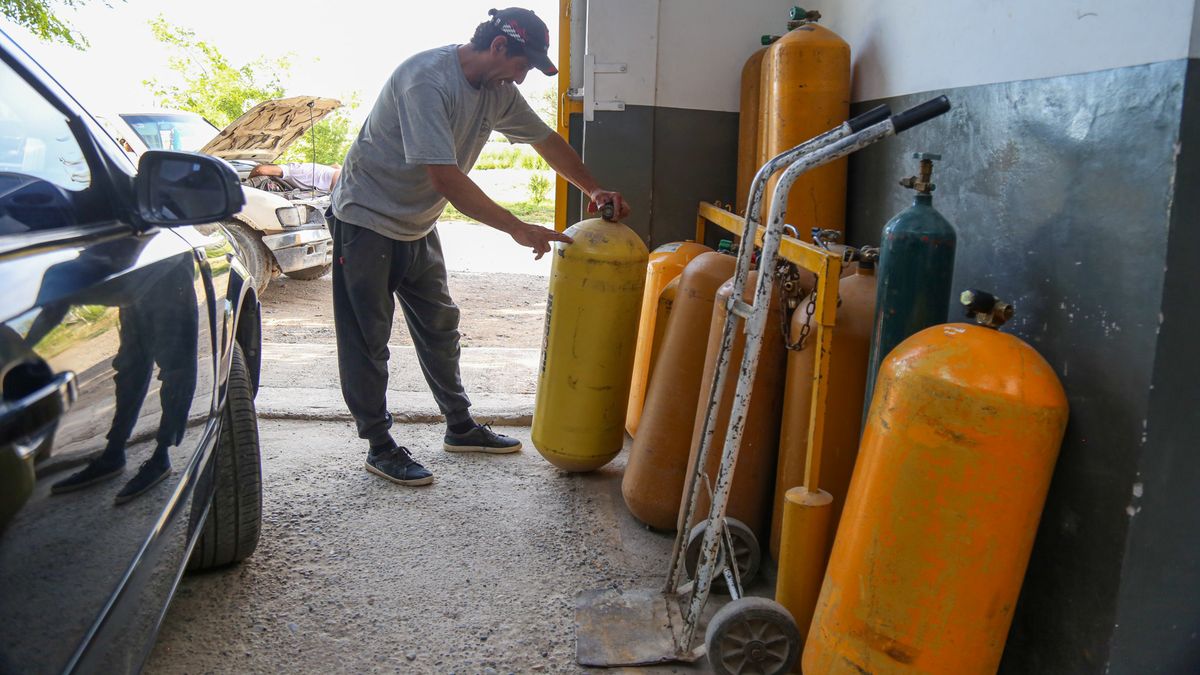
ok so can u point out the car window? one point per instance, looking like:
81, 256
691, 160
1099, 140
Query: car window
171, 131
35, 142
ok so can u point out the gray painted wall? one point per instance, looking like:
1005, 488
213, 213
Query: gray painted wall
664, 161
1062, 191
1158, 607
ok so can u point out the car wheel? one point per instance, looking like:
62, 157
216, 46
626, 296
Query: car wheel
310, 273
230, 533
253, 252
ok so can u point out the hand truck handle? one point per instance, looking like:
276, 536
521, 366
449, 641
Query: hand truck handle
873, 116
920, 113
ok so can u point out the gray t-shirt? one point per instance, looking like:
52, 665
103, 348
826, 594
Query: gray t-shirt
427, 113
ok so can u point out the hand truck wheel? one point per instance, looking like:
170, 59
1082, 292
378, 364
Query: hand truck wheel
752, 635
746, 551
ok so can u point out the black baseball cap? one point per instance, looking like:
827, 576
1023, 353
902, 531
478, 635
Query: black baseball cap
525, 28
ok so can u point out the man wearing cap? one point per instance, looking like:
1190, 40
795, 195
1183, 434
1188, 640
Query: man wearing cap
425, 132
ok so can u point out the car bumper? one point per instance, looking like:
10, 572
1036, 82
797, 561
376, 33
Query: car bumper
301, 249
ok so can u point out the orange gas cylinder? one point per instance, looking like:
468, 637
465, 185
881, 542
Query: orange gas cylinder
847, 382
657, 466
805, 91
754, 478
748, 135
961, 439
666, 263
666, 304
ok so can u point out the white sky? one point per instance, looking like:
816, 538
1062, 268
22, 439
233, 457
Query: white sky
338, 46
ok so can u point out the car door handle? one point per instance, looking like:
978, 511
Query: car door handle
34, 412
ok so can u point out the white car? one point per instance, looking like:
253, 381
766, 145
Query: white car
282, 227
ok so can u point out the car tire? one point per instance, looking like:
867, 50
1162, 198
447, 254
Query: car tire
253, 252
230, 532
310, 273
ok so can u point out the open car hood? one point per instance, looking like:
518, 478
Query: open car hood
266, 130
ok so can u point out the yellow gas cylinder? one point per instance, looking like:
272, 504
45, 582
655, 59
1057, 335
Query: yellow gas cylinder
754, 478
846, 384
960, 442
666, 304
592, 308
657, 466
805, 91
666, 263
748, 135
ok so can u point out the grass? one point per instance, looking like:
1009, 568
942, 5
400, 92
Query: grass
501, 156
530, 212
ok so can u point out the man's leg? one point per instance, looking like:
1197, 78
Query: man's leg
432, 319
364, 277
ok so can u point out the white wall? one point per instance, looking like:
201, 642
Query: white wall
907, 46
680, 53
624, 31
703, 45
689, 53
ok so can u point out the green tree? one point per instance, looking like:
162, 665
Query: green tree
331, 136
545, 104
221, 91
212, 86
37, 16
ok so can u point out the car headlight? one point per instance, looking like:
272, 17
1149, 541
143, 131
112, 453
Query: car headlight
290, 216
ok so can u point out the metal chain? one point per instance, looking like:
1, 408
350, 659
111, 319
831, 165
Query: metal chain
809, 310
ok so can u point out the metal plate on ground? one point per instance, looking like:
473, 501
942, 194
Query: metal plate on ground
626, 628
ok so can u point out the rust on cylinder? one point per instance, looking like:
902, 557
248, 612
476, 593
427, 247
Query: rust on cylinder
657, 467
754, 477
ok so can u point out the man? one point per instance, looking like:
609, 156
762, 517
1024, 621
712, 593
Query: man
306, 175
425, 132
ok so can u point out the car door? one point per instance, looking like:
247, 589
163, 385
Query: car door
107, 378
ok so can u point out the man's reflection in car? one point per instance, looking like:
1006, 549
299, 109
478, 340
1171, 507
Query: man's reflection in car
157, 328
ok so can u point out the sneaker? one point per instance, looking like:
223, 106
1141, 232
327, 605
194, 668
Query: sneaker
481, 439
396, 465
96, 471
149, 474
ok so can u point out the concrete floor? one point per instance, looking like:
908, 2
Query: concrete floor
477, 573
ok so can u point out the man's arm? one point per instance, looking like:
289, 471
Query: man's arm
566, 162
466, 196
267, 170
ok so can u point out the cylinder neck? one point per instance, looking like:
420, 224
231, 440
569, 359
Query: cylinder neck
923, 199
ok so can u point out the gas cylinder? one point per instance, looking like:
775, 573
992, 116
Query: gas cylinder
748, 135
916, 268
657, 466
592, 308
955, 462
804, 92
844, 402
666, 304
666, 263
754, 478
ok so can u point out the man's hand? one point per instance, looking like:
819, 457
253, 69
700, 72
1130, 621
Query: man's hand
600, 197
538, 238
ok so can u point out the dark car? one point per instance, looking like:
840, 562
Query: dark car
129, 359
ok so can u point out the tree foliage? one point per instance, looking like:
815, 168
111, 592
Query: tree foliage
220, 91
211, 86
37, 16
331, 136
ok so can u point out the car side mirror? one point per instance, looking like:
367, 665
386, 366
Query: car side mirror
185, 188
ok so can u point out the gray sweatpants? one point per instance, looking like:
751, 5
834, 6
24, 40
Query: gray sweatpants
369, 272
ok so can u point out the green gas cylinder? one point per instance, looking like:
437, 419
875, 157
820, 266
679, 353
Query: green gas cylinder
916, 269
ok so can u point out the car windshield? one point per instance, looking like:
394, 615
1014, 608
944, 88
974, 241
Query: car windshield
171, 131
